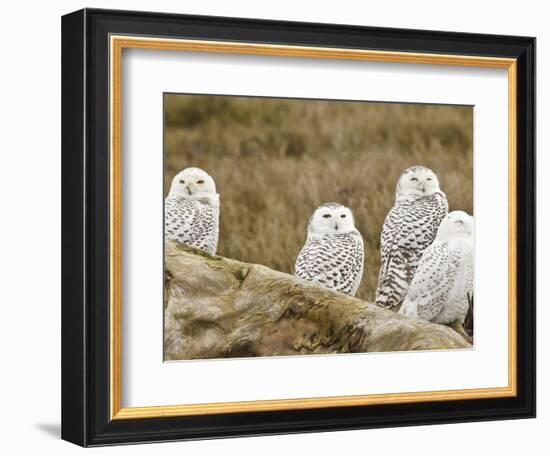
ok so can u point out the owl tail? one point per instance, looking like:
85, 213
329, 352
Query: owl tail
391, 292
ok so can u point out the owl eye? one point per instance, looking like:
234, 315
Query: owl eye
459, 222
327, 216
414, 179
429, 179
200, 182
182, 181
343, 216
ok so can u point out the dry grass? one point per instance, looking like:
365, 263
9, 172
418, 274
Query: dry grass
274, 161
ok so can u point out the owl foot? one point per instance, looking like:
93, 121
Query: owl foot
457, 326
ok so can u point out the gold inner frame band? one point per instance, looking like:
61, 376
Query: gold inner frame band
117, 44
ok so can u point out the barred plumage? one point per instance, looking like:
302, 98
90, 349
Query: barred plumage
192, 210
443, 285
333, 254
410, 227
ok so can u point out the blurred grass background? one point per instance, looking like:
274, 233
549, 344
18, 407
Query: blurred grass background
275, 160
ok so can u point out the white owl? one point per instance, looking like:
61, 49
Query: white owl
333, 253
410, 227
192, 210
443, 285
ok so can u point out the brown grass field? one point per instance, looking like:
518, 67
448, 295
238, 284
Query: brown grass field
275, 160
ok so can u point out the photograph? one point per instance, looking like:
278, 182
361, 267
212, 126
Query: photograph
288, 224
291, 225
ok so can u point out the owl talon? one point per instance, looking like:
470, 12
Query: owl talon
457, 326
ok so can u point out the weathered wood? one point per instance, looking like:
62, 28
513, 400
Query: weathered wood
217, 307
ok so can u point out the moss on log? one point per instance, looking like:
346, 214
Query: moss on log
218, 308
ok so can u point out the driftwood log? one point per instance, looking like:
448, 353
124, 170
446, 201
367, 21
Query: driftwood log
216, 307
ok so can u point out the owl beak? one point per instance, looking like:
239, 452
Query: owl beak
336, 226
188, 190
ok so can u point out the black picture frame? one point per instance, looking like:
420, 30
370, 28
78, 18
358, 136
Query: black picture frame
85, 227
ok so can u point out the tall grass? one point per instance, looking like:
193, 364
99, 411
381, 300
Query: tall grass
275, 160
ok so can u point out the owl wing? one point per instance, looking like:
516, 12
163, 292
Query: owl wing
345, 273
390, 232
179, 215
432, 283
313, 262
410, 227
333, 261
356, 264
301, 268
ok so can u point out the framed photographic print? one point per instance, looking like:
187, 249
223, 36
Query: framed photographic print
278, 227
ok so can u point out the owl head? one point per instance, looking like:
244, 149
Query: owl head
417, 180
456, 224
193, 183
331, 219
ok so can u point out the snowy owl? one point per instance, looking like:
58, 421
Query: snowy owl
410, 227
192, 210
333, 253
443, 284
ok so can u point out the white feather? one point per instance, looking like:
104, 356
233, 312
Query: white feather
443, 283
333, 254
192, 210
